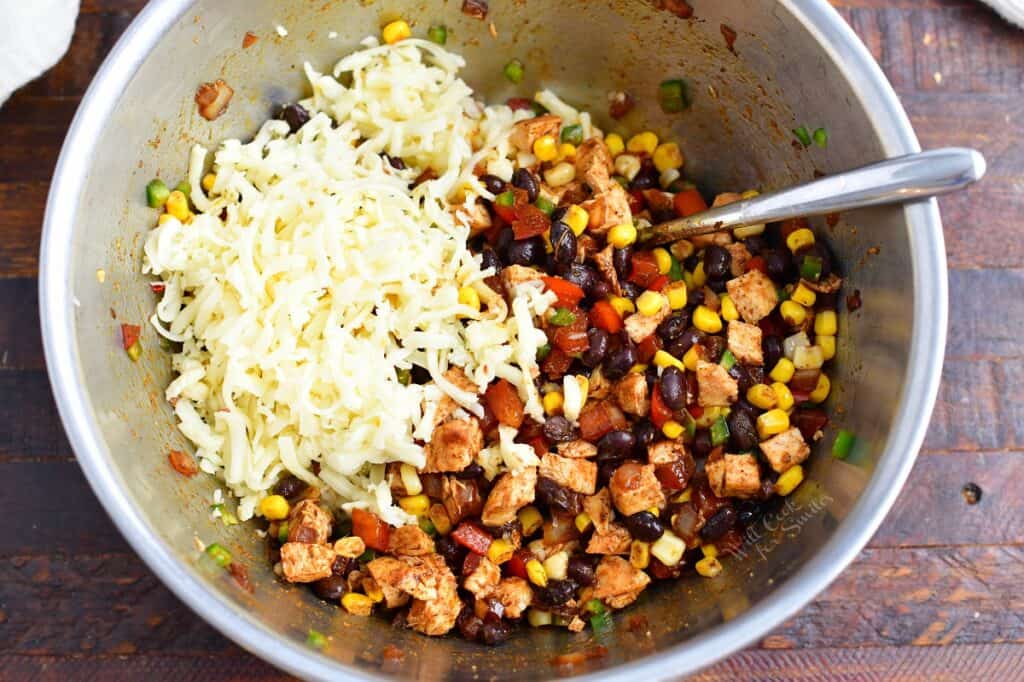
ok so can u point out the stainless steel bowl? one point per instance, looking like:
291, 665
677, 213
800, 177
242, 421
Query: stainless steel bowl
796, 63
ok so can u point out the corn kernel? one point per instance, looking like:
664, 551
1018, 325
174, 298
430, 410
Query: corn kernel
808, 357
566, 151
372, 590
650, 303
707, 320
615, 144
638, 368
783, 371
438, 516
560, 174
396, 31
500, 551
677, 295
469, 297
410, 479
545, 148
208, 181
530, 519
771, 423
827, 344
825, 323
672, 429
682, 249
665, 359
748, 231
699, 276
577, 218
645, 143
177, 205
668, 549
728, 308
640, 554
556, 566
553, 402
762, 396
357, 604
783, 396
799, 239
684, 496
667, 157
274, 507
663, 259
821, 390
803, 295
708, 567
538, 618
691, 357
627, 166
789, 480
622, 235
417, 505
622, 305
793, 313
709, 550
536, 573
583, 522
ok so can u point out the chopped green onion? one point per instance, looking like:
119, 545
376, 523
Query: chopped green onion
621, 180
595, 606
185, 188
719, 432
810, 268
506, 199
544, 351
134, 351
437, 34
545, 205
427, 526
843, 444
157, 193
602, 623
728, 360
367, 556
220, 556
226, 516
675, 271
404, 376
562, 317
821, 137
316, 639
514, 71
802, 135
690, 424
282, 532
673, 96
573, 134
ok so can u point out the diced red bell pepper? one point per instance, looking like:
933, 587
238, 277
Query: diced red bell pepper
157, 287
510, 213
556, 364
660, 413
603, 316
600, 418
672, 476
809, 421
635, 199
517, 564
644, 270
756, 263
183, 463
471, 563
472, 537
130, 335
530, 221
503, 400
658, 284
696, 411
569, 295
773, 325
572, 338
688, 202
372, 529
646, 349
517, 103
540, 445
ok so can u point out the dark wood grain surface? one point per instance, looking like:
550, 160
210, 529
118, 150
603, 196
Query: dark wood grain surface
935, 595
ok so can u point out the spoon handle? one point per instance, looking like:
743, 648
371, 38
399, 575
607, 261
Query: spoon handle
896, 180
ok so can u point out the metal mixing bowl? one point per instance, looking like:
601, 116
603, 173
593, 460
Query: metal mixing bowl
796, 63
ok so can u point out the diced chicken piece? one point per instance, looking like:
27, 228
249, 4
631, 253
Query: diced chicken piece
826, 285
753, 294
617, 583
484, 578
734, 476
389, 574
605, 262
570, 193
740, 255
475, 215
453, 446
594, 164
745, 342
526, 132
306, 563
600, 386
576, 624
577, 449
599, 508
446, 405
665, 452
640, 326
511, 275
615, 539
579, 475
514, 594
437, 615
310, 523
631, 394
510, 493
702, 241
786, 449
715, 388
608, 209
461, 498
635, 488
586, 247
410, 541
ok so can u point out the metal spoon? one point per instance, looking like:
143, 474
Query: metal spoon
897, 180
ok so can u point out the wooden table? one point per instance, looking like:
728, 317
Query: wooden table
936, 594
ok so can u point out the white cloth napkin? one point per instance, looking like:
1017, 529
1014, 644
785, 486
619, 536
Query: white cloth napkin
34, 34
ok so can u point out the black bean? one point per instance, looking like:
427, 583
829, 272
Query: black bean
755, 244
713, 346
630, 290
647, 178
489, 259
331, 588
673, 388
616, 445
526, 251
742, 431
557, 429
469, 625
702, 443
601, 289
644, 526
581, 570
777, 264
556, 592
717, 285
290, 486
583, 276
719, 524
695, 298
598, 349
493, 183
679, 346
771, 349
474, 470
673, 327
559, 213
295, 116
495, 631
644, 433
717, 261
395, 162
606, 469
622, 260
524, 179
742, 377
748, 511
342, 565
690, 262
563, 243
651, 375
554, 496
619, 362
505, 238
453, 553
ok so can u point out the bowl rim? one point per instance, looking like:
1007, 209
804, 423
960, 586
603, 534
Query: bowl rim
927, 346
